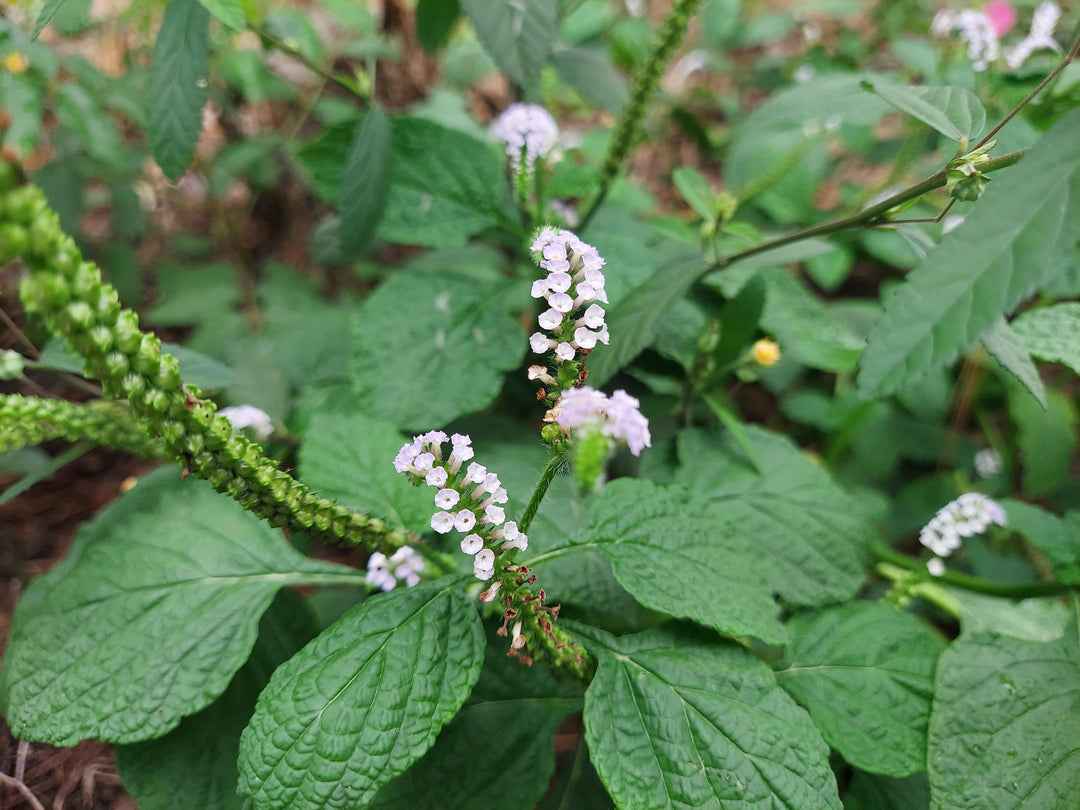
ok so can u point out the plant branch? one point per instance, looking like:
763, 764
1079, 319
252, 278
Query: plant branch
281, 45
974, 584
868, 216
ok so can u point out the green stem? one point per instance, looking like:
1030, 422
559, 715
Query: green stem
974, 584
644, 85
281, 45
539, 491
867, 216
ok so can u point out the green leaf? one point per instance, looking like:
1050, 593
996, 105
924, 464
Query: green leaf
444, 185
48, 11
363, 701
365, 183
810, 534
1052, 333
674, 557
194, 765
195, 368
1046, 439
148, 617
178, 92
498, 751
865, 672
590, 72
230, 12
695, 189
739, 320
639, 316
868, 792
1028, 619
1058, 538
517, 33
955, 112
1006, 248
1003, 731
349, 457
434, 21
681, 721
429, 347
1005, 346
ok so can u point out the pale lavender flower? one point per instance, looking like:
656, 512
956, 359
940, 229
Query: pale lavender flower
1040, 37
970, 514
974, 28
385, 572
618, 416
528, 131
248, 416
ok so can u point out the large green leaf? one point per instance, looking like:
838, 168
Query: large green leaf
865, 672
230, 12
363, 701
955, 112
148, 617
349, 457
682, 721
178, 85
1058, 538
1052, 333
48, 11
810, 535
1046, 438
1006, 347
868, 792
429, 347
365, 183
674, 557
505, 728
1007, 247
1003, 732
194, 765
517, 33
590, 72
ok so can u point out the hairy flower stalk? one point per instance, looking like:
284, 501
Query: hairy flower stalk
644, 85
70, 296
26, 421
469, 500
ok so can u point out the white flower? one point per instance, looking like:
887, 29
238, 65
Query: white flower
1041, 35
442, 522
550, 319
529, 132
472, 543
436, 477
970, 514
988, 463
618, 416
248, 416
540, 343
476, 473
494, 515
975, 28
447, 498
936, 566
464, 520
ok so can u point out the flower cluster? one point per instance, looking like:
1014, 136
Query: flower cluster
970, 514
404, 565
248, 416
574, 321
1041, 35
988, 463
469, 498
587, 410
529, 132
974, 28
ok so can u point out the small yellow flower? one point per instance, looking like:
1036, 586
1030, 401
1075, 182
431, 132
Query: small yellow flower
766, 352
16, 62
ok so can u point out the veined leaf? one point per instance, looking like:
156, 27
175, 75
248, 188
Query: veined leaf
1006, 248
679, 721
429, 347
867, 792
517, 33
590, 72
194, 765
349, 457
1005, 346
230, 12
365, 183
696, 190
1003, 731
865, 672
955, 112
1046, 439
148, 617
1052, 333
363, 701
178, 85
48, 11
810, 535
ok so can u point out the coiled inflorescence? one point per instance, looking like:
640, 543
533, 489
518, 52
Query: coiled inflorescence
528, 132
26, 421
970, 514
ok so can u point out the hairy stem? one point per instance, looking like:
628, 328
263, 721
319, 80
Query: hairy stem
539, 491
644, 85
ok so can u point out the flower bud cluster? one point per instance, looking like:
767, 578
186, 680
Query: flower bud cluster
586, 410
970, 514
574, 289
404, 565
26, 421
75, 303
528, 131
470, 499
